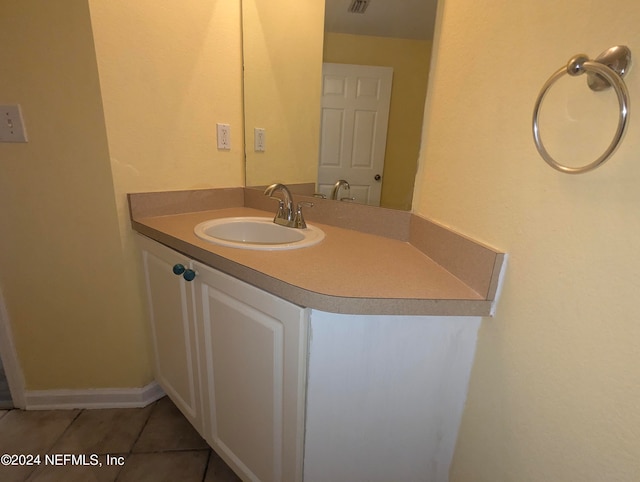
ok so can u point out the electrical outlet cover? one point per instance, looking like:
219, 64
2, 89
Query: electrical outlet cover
259, 139
224, 136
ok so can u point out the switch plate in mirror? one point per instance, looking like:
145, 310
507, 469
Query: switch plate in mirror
11, 125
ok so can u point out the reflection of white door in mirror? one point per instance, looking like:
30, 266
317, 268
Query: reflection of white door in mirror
353, 131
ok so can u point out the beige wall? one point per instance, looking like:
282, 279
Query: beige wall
283, 75
169, 71
410, 61
75, 324
135, 113
555, 387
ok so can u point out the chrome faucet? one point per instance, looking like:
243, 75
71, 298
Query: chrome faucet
336, 188
285, 215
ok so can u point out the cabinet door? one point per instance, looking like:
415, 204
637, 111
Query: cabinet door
255, 345
173, 328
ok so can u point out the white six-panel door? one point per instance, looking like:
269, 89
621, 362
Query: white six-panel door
353, 135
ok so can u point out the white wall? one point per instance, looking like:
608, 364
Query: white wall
556, 382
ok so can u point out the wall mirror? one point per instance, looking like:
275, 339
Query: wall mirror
291, 126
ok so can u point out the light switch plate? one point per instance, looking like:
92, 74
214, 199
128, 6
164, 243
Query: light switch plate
11, 124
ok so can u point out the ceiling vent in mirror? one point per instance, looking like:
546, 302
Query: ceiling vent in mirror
358, 6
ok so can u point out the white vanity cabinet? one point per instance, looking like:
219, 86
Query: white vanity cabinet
385, 396
174, 332
232, 358
254, 377
369, 398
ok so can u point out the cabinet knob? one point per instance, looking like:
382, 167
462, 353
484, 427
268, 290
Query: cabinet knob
178, 269
189, 274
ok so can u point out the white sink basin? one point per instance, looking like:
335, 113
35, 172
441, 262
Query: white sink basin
257, 233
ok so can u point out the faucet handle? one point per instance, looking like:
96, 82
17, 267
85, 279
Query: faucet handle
280, 212
298, 220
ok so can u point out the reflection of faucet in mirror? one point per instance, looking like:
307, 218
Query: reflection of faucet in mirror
336, 188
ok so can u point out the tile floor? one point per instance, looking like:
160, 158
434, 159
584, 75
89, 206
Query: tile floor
155, 443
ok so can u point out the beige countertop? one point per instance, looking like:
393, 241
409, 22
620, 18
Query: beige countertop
347, 272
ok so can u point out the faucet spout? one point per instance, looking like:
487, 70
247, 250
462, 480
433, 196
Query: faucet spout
336, 188
285, 214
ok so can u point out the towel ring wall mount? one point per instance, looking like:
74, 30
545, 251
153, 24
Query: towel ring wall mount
604, 72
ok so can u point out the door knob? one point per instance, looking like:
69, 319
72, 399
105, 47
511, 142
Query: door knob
377, 177
189, 274
178, 269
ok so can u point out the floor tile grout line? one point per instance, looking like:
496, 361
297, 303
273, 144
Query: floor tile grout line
206, 466
208, 449
64, 431
131, 452
204, 451
144, 425
53, 444
164, 451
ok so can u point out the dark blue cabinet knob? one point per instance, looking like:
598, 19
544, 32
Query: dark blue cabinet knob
189, 274
178, 269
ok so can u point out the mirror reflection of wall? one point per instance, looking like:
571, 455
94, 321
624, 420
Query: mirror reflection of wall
396, 34
282, 50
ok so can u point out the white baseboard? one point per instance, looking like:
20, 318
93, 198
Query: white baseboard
93, 398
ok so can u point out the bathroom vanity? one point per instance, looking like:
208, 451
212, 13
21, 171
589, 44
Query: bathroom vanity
311, 364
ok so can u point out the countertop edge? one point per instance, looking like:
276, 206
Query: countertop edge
315, 300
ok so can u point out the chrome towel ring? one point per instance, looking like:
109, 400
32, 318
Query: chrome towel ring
605, 71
